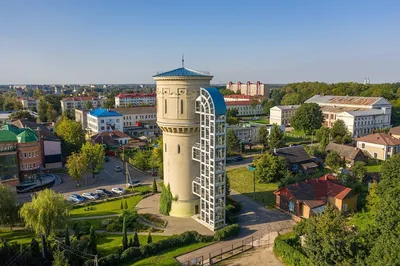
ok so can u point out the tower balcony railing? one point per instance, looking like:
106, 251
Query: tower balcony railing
196, 152
196, 187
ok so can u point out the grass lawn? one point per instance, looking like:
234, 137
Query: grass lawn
167, 258
94, 222
106, 208
261, 121
241, 180
112, 243
373, 168
20, 236
362, 220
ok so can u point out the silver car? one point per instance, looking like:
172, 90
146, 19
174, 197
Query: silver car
89, 195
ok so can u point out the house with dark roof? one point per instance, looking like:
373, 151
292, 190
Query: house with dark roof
310, 197
111, 140
297, 159
350, 154
379, 146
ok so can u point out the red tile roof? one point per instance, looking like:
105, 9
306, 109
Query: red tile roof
135, 95
242, 96
380, 138
238, 102
79, 99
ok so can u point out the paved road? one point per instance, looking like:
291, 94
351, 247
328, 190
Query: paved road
255, 221
107, 178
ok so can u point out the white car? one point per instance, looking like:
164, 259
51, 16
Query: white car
88, 195
135, 183
118, 190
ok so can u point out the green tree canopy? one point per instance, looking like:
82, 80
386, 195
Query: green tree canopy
76, 166
339, 132
23, 114
270, 168
267, 105
142, 160
158, 157
71, 135
359, 170
263, 136
8, 206
88, 105
93, 155
276, 138
334, 161
232, 142
308, 117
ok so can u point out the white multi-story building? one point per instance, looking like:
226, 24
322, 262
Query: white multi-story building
103, 120
135, 99
71, 103
139, 121
210, 152
362, 115
28, 103
281, 114
245, 105
247, 133
248, 88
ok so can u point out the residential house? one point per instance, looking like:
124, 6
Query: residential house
245, 105
310, 197
29, 103
111, 140
281, 114
139, 121
395, 132
70, 103
379, 145
350, 154
135, 99
247, 133
104, 120
297, 159
362, 115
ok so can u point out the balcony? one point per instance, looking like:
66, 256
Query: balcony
196, 152
196, 186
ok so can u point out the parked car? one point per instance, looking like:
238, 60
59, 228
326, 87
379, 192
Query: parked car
106, 159
255, 118
118, 190
89, 195
117, 168
238, 158
103, 192
135, 183
76, 198
154, 173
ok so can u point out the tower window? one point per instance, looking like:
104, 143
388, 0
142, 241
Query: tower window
165, 147
179, 148
165, 106
181, 106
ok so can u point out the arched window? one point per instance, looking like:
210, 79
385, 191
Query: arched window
165, 106
179, 148
181, 106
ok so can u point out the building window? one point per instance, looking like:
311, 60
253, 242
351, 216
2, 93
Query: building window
179, 148
30, 155
165, 147
102, 121
375, 155
363, 145
181, 106
24, 154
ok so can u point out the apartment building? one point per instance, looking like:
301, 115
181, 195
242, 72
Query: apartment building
281, 114
28, 103
71, 103
362, 115
248, 88
101, 120
135, 99
246, 133
139, 121
245, 104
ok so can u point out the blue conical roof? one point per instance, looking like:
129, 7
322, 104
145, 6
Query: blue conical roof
182, 72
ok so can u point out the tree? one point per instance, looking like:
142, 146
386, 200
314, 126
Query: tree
322, 136
334, 161
142, 160
126, 205
71, 135
59, 258
270, 168
232, 142
231, 116
276, 138
47, 212
263, 136
76, 166
124, 235
109, 102
42, 109
254, 102
308, 117
328, 240
359, 170
291, 99
67, 241
158, 157
22, 115
92, 241
149, 239
35, 249
51, 114
88, 105
276, 96
165, 200
154, 186
267, 105
233, 112
8, 206
339, 131
93, 155
136, 242
121, 206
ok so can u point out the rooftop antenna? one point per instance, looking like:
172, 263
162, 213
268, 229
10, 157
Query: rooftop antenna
183, 61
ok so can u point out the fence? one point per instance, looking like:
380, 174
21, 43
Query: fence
230, 250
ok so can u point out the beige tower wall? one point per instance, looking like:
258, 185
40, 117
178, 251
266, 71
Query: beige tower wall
177, 118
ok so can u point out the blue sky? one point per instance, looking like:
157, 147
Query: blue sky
129, 41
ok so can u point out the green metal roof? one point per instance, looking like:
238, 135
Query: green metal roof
12, 128
27, 136
7, 136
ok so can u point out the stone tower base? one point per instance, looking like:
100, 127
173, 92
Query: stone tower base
184, 209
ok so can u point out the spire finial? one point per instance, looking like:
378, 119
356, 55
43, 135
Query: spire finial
183, 60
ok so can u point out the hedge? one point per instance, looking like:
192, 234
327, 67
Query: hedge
226, 232
290, 255
110, 260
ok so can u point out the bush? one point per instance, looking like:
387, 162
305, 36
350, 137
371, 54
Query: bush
145, 251
290, 255
131, 254
110, 260
82, 228
114, 226
226, 232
